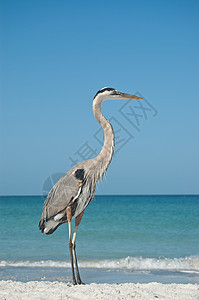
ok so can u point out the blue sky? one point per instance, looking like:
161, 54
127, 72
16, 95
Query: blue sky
57, 54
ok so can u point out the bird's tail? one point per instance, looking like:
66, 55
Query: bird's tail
49, 226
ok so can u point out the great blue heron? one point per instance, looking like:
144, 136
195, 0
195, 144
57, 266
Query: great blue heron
75, 190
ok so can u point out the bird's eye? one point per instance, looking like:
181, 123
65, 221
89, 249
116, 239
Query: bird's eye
116, 93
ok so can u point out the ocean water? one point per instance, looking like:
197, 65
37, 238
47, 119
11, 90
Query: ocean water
120, 239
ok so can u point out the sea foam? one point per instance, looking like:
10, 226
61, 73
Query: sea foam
190, 264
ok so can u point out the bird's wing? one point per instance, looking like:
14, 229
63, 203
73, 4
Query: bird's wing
66, 190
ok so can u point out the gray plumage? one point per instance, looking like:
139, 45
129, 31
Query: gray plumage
76, 188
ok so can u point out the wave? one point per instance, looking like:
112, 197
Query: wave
190, 264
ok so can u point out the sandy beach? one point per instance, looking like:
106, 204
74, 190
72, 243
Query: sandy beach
59, 290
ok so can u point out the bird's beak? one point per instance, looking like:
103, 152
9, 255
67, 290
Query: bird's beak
128, 96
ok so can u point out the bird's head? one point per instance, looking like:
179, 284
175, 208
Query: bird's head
108, 93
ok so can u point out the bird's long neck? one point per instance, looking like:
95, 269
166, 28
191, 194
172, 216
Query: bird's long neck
104, 157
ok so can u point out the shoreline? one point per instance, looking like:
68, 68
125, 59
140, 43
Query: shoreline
98, 275
93, 291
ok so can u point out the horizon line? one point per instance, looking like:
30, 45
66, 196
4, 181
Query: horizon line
36, 195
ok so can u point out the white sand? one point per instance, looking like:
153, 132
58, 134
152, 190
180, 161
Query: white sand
58, 290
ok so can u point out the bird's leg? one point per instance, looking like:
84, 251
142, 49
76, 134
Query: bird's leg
69, 217
77, 222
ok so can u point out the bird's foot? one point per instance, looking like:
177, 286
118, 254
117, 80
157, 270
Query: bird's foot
80, 282
79, 279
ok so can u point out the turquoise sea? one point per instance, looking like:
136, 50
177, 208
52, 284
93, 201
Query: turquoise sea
120, 239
